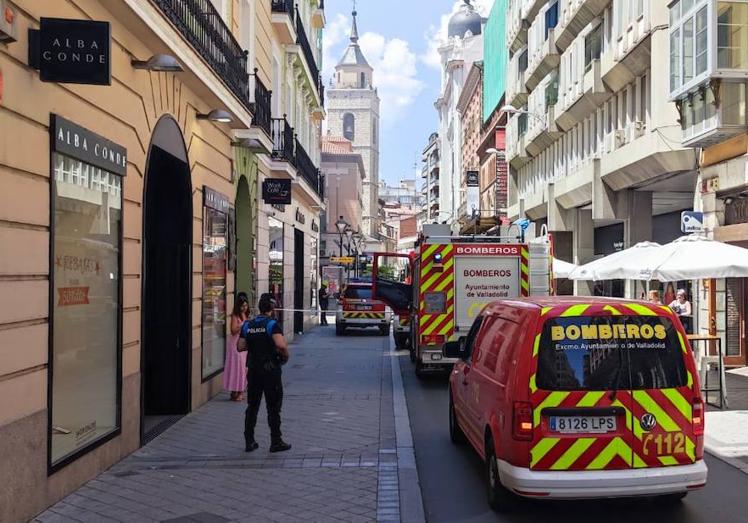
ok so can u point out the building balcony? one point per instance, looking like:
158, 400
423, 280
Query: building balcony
713, 113
635, 157
303, 41
543, 60
283, 17
531, 8
283, 141
516, 90
542, 131
309, 172
516, 26
573, 17
258, 137
202, 26
516, 154
575, 188
581, 97
630, 52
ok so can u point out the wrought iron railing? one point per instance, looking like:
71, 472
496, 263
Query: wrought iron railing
202, 26
283, 140
306, 168
283, 6
306, 48
261, 108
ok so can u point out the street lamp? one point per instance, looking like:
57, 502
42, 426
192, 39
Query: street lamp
357, 237
341, 225
510, 109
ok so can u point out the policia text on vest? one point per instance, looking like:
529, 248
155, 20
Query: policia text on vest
267, 352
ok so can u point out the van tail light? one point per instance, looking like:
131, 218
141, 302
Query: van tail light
697, 417
432, 339
522, 421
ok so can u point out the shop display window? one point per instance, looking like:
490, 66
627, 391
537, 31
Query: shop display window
215, 258
85, 307
276, 232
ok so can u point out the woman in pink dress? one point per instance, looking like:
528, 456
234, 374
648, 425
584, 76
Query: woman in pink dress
235, 369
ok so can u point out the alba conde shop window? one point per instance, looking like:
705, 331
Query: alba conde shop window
85, 306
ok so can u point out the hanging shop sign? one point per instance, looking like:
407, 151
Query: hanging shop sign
472, 179
300, 216
71, 51
276, 191
215, 200
691, 221
78, 142
8, 29
315, 226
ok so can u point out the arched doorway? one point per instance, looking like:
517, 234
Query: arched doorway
166, 289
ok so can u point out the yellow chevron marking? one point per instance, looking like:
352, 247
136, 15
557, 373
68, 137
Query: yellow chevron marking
542, 448
612, 310
678, 401
545, 310
430, 329
575, 310
572, 454
641, 310
616, 447
590, 399
690, 379
525, 269
427, 284
668, 460
536, 346
525, 284
429, 251
448, 327
682, 343
533, 385
663, 419
665, 308
552, 400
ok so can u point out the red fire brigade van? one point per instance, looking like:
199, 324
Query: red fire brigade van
579, 398
357, 309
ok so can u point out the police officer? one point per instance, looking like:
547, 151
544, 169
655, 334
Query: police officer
267, 351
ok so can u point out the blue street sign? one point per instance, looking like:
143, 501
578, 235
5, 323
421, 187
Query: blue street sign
691, 221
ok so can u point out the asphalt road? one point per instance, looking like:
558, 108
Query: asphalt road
453, 487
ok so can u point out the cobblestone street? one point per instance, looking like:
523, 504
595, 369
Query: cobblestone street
338, 414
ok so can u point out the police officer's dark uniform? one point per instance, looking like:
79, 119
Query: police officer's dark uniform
263, 377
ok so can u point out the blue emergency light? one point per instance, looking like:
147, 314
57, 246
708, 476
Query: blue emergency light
438, 257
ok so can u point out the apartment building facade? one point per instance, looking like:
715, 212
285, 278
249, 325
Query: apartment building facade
708, 78
129, 200
593, 146
430, 178
288, 60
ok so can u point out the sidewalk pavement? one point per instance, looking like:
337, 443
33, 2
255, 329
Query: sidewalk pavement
726, 435
350, 461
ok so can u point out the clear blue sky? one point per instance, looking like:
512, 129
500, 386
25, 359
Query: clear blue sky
398, 38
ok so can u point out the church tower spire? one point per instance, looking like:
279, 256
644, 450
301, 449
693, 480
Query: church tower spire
354, 27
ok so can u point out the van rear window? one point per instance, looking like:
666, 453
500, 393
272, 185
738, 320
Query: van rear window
610, 352
358, 293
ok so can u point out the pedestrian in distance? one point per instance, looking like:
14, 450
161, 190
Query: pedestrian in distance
235, 367
682, 308
654, 297
267, 352
324, 303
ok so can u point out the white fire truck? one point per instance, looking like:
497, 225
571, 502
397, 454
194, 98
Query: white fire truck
449, 281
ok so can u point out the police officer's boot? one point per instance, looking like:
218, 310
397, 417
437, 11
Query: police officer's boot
279, 446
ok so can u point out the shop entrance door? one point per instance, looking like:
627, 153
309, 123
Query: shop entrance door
166, 286
298, 281
736, 321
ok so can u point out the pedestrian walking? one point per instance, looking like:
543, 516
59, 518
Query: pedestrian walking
324, 303
235, 367
654, 297
267, 352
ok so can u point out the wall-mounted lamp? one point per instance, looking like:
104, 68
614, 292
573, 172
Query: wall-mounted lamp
216, 115
158, 62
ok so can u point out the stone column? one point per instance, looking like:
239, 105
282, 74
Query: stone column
635, 208
583, 247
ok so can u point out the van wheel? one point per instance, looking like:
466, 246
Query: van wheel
499, 498
674, 499
455, 432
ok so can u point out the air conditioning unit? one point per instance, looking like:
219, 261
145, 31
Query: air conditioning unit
621, 138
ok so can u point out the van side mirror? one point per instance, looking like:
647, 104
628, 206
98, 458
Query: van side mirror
455, 349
